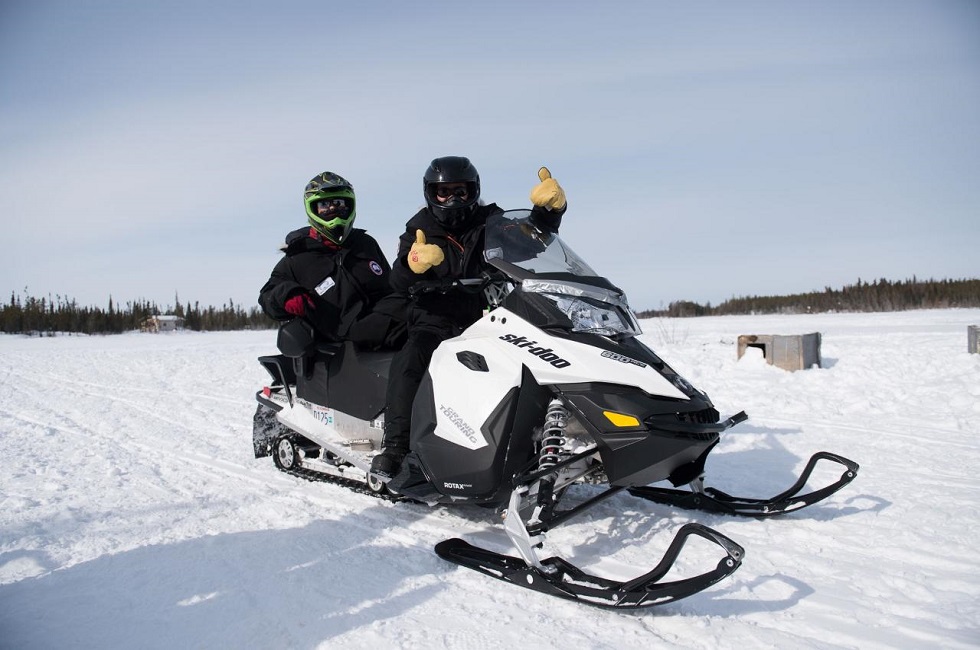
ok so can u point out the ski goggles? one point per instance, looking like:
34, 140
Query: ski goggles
445, 192
332, 205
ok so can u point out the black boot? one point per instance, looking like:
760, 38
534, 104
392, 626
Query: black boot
386, 464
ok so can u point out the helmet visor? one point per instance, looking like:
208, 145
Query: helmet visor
337, 207
444, 191
451, 194
332, 216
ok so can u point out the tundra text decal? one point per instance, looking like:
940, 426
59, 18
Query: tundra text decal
545, 354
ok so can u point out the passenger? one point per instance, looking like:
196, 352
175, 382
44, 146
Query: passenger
444, 241
334, 275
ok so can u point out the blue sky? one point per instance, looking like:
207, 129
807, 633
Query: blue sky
708, 149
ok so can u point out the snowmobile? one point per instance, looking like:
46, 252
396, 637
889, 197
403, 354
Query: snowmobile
551, 387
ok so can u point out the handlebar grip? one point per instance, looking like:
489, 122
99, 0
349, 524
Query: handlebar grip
445, 285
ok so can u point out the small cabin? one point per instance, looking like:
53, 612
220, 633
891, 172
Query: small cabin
797, 352
165, 323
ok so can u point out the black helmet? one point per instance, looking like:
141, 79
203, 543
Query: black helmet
327, 186
456, 211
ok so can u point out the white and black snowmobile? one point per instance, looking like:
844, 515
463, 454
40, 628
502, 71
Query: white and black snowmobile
551, 387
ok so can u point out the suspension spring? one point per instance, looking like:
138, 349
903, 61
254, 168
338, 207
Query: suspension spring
553, 436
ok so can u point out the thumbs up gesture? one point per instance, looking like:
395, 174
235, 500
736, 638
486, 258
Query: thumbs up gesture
422, 256
548, 193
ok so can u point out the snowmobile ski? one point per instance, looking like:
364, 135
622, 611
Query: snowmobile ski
713, 500
558, 577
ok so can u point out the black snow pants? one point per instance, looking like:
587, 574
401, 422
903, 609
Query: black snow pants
407, 369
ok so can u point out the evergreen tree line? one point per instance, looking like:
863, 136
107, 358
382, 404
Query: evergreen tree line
880, 295
39, 316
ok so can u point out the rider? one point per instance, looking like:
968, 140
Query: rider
444, 241
333, 274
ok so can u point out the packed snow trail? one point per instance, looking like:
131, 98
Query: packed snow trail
132, 513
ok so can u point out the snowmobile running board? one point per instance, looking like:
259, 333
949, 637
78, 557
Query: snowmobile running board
712, 500
568, 581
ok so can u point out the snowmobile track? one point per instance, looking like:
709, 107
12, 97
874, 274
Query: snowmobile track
349, 483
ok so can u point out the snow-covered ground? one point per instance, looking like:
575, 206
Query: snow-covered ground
132, 513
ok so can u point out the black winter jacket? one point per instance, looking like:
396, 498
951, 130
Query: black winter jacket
346, 283
449, 314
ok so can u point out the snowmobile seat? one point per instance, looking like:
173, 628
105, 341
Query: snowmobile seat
378, 362
345, 379
297, 339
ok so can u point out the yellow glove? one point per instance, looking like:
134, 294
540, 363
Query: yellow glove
548, 193
424, 256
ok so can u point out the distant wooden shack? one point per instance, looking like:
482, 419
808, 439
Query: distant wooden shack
166, 323
797, 352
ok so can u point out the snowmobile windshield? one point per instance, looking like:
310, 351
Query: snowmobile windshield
541, 263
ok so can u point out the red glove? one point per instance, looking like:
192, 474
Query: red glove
298, 304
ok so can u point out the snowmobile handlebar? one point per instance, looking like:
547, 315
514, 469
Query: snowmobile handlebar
445, 285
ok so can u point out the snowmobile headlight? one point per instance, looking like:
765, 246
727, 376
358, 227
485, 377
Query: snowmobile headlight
589, 317
590, 309
621, 419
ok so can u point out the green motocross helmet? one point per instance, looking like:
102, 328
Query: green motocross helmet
334, 188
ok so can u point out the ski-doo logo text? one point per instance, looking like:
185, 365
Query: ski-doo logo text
545, 354
457, 420
623, 359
